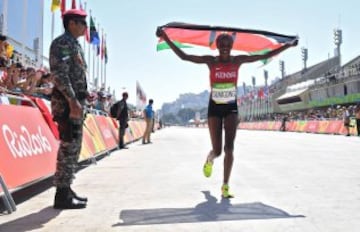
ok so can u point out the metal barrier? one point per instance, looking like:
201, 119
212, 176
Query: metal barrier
7, 198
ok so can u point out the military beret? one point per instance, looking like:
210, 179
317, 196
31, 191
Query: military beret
75, 13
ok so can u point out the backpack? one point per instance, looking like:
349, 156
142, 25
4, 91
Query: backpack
114, 110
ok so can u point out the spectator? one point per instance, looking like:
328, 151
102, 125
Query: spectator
346, 119
283, 123
101, 101
357, 118
45, 86
123, 118
149, 116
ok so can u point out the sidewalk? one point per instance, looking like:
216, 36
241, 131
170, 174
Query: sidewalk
281, 181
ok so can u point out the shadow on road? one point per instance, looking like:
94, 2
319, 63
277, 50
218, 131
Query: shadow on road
32, 221
210, 210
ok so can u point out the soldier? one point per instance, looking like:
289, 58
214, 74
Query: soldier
68, 67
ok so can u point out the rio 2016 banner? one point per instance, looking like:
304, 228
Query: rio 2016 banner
28, 143
322, 127
28, 148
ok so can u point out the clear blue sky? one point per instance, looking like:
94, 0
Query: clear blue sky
130, 27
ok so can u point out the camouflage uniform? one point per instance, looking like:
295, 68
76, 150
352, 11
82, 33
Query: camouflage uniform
68, 67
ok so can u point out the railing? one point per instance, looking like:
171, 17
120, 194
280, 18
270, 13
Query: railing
7, 198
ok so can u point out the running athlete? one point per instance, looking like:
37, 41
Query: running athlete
222, 109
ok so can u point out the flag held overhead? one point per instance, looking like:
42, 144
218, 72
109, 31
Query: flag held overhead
246, 40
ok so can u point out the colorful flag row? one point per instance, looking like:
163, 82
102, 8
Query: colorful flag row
91, 34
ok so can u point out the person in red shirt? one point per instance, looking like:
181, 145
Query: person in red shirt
222, 110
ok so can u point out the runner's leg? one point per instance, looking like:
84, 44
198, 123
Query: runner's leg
215, 129
230, 125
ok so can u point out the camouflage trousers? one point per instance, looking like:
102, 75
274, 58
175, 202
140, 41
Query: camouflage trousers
68, 153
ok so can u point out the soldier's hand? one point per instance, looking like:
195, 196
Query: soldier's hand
76, 111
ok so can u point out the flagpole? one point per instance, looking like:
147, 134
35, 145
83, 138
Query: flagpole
104, 73
24, 32
97, 63
5, 18
41, 39
52, 25
95, 84
94, 56
89, 57
105, 51
101, 57
63, 9
85, 32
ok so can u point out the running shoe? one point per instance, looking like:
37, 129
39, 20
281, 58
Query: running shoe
225, 191
207, 169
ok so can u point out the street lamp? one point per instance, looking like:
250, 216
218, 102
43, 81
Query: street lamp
338, 41
304, 55
282, 68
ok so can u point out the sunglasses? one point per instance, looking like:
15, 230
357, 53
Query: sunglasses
82, 22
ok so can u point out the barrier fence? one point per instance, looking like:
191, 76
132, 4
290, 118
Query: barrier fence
312, 126
29, 140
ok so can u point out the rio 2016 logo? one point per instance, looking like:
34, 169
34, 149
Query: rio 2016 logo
25, 143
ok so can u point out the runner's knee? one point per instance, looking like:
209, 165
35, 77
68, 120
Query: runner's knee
216, 152
229, 149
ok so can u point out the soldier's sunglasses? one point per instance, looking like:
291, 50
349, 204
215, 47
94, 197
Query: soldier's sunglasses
83, 22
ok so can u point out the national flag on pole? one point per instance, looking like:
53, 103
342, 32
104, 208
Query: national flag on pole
94, 35
81, 5
140, 97
261, 94
87, 33
106, 54
266, 91
102, 53
73, 4
55, 5
63, 6
87, 36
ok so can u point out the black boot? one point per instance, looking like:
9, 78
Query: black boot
73, 194
64, 200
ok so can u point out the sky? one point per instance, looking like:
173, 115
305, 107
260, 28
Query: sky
131, 42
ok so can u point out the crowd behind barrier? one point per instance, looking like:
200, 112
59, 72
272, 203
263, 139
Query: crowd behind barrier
29, 139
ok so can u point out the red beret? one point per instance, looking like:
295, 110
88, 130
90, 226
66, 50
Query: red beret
75, 12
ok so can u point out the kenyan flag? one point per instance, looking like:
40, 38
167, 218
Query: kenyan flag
163, 45
262, 52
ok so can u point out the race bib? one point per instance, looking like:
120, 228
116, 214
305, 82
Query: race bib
223, 93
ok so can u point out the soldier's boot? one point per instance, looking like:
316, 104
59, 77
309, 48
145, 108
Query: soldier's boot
73, 194
64, 200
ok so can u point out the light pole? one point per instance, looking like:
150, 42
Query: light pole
254, 94
282, 68
338, 41
304, 55
266, 77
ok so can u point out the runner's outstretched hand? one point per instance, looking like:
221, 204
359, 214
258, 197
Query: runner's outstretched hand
159, 31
